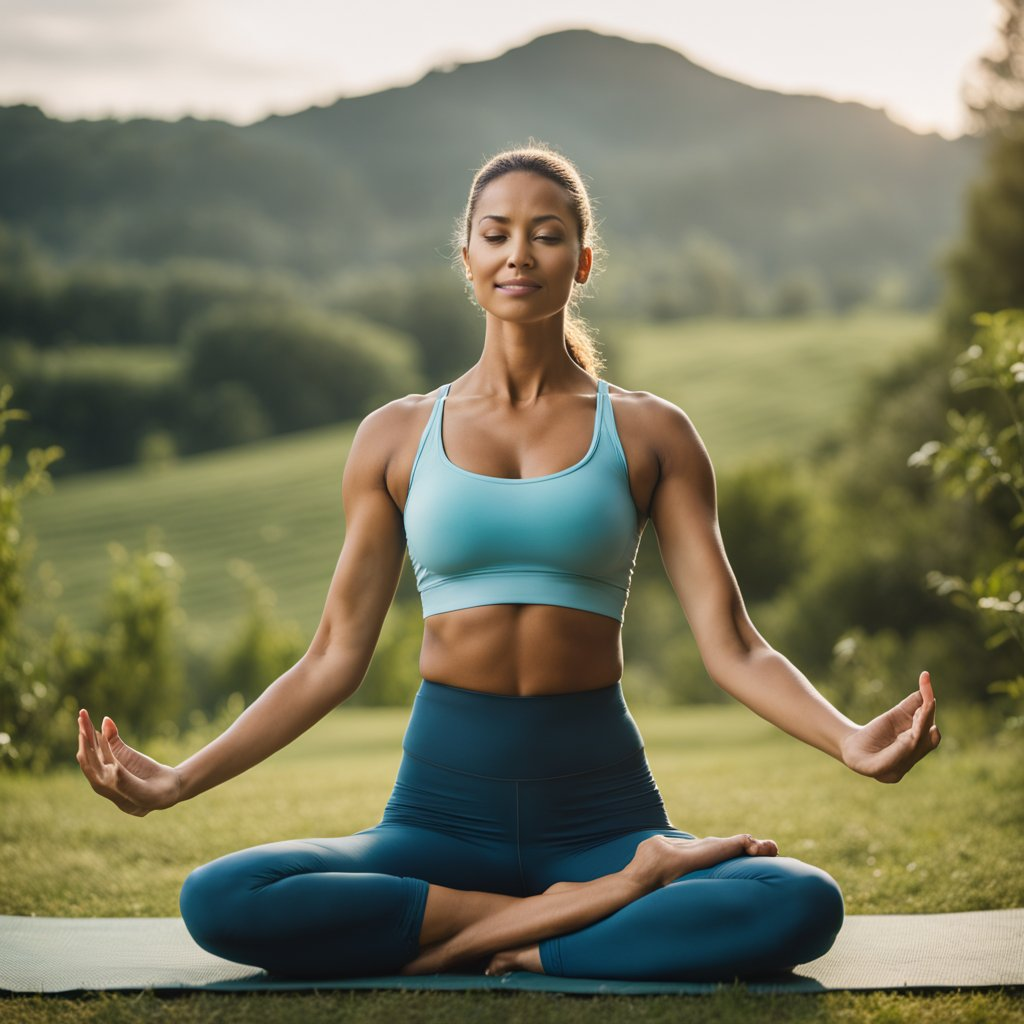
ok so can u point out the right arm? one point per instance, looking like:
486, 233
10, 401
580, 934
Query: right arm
361, 591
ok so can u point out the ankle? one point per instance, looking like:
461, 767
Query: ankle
641, 878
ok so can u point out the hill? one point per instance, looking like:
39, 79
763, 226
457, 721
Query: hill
779, 183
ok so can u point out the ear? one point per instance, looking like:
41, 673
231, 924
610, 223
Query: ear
465, 258
586, 262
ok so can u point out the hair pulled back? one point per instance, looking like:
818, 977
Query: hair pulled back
540, 158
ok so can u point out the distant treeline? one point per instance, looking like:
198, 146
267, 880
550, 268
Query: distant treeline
120, 363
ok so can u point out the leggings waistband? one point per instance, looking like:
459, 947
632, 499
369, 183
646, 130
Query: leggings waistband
522, 738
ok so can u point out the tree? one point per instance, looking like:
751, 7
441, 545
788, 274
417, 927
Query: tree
995, 91
985, 272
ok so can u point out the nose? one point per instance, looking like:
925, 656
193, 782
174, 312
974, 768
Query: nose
520, 254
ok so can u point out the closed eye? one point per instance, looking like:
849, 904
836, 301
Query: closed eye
540, 238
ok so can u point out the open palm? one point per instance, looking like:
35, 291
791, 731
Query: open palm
891, 744
128, 778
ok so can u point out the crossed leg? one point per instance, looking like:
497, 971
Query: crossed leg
741, 917
461, 927
359, 905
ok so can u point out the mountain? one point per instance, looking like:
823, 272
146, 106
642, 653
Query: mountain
671, 151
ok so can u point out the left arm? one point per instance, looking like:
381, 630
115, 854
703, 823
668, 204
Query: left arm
737, 657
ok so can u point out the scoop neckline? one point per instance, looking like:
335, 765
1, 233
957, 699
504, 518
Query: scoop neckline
520, 479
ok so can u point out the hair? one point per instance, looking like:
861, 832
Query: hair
539, 158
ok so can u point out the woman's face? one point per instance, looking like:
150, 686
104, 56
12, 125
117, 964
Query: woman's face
524, 227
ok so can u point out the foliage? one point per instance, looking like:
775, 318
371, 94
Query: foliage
306, 368
994, 93
132, 663
763, 515
129, 665
429, 305
983, 457
985, 271
896, 526
393, 675
28, 700
262, 648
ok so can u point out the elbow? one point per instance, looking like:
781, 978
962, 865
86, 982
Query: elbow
335, 671
729, 666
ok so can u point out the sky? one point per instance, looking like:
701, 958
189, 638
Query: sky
239, 60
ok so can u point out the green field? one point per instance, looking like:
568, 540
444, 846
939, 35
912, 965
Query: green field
944, 839
751, 387
756, 388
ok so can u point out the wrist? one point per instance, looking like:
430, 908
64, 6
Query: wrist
843, 753
184, 786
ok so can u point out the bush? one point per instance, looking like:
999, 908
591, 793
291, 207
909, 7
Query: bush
305, 368
130, 667
763, 516
29, 702
984, 458
262, 649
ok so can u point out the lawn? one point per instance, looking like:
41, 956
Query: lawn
945, 839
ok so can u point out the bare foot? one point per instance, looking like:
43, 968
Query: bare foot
658, 860
525, 959
662, 859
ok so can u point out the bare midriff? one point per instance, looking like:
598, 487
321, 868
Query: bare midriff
522, 650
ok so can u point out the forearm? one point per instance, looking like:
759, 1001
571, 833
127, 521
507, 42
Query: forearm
294, 702
773, 687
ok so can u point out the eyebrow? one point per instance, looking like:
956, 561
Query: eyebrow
543, 216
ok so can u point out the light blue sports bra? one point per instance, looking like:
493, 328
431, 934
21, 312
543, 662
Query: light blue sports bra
568, 538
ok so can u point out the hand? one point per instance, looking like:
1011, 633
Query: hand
135, 783
891, 744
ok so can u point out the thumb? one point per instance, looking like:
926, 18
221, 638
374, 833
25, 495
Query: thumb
108, 728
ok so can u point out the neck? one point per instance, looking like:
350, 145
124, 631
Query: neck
520, 362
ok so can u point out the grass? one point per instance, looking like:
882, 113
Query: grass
750, 386
522, 1008
945, 839
757, 388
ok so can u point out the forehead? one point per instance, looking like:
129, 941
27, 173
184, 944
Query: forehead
523, 193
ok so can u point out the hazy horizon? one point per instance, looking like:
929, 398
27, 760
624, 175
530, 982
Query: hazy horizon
228, 60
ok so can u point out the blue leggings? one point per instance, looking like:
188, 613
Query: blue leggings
510, 795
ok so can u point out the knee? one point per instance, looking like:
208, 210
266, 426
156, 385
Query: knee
815, 912
203, 901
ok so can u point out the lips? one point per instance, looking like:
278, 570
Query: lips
518, 286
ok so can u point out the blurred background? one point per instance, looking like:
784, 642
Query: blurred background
225, 237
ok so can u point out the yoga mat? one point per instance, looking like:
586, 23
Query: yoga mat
975, 949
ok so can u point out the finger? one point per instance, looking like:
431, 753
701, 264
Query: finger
925, 683
87, 747
90, 735
109, 732
917, 727
83, 757
930, 715
108, 754
909, 704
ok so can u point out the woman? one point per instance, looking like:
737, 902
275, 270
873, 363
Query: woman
524, 830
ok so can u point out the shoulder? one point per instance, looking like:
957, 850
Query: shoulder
659, 424
384, 434
389, 423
